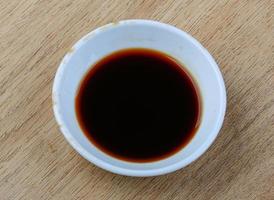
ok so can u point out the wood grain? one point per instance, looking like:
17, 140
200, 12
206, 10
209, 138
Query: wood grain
37, 163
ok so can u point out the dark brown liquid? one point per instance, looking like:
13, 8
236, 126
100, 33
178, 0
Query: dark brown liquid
138, 105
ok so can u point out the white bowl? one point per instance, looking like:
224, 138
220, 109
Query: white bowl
140, 34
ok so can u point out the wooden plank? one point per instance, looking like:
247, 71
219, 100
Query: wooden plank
37, 163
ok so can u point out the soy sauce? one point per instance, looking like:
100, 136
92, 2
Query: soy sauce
138, 105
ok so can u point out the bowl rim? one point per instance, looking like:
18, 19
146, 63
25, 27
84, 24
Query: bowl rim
137, 172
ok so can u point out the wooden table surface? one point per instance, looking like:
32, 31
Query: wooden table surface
36, 162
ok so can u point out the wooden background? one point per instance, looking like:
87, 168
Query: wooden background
37, 163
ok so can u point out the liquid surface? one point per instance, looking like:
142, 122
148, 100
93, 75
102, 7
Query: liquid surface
138, 105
